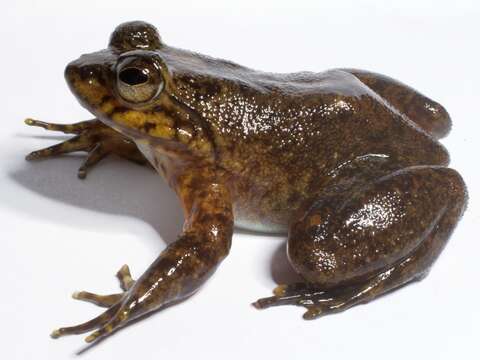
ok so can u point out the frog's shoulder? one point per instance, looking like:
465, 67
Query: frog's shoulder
206, 71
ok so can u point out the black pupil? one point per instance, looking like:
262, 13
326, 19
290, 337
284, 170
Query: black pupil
133, 76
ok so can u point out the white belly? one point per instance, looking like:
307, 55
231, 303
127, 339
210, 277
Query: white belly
243, 222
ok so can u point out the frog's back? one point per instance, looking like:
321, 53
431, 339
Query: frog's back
186, 66
296, 121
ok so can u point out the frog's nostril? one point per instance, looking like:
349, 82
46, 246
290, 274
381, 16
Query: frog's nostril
88, 72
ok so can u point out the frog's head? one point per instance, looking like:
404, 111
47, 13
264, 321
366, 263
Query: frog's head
128, 87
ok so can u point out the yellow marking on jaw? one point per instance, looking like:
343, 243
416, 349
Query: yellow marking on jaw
131, 118
160, 119
162, 131
202, 145
108, 107
137, 120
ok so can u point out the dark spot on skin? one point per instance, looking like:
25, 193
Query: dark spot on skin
120, 110
171, 113
212, 87
104, 100
148, 126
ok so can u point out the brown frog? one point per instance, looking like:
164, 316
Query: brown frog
346, 161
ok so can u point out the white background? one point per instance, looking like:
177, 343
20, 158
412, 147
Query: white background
59, 234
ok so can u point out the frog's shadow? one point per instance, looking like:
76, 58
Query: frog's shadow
114, 186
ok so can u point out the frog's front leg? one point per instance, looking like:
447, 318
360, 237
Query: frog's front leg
354, 246
92, 136
180, 269
109, 301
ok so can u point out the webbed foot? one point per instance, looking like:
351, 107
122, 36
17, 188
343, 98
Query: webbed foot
317, 302
93, 137
108, 320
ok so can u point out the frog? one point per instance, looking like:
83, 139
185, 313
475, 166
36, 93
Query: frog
346, 163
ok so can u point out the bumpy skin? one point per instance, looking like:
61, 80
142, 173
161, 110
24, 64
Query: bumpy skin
346, 161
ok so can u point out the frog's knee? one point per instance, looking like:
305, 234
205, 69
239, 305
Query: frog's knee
355, 235
457, 190
430, 116
440, 122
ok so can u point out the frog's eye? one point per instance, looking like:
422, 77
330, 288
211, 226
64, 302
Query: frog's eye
133, 76
138, 83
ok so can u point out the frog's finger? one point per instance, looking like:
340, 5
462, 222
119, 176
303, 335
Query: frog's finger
99, 300
100, 320
77, 143
94, 156
126, 281
76, 128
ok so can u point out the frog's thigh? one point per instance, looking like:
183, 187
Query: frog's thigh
426, 113
354, 246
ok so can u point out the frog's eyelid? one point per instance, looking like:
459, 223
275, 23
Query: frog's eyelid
148, 58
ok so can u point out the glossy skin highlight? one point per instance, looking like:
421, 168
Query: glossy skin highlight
346, 161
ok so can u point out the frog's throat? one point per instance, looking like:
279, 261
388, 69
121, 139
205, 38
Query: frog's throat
170, 125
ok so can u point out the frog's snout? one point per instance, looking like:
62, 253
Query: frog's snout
78, 70
87, 81
71, 71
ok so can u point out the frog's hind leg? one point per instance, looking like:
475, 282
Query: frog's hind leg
93, 137
112, 302
355, 246
426, 113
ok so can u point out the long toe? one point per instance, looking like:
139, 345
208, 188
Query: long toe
90, 325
